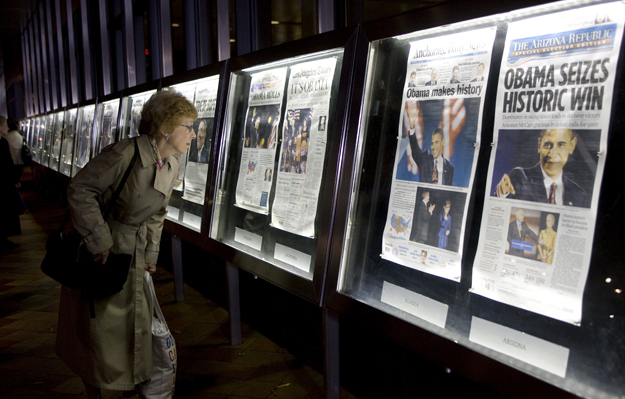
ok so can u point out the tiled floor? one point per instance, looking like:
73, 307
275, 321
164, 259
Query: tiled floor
208, 366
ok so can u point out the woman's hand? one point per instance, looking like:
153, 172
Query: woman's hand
101, 257
150, 267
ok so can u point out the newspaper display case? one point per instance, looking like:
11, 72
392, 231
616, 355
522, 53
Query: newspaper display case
67, 145
57, 136
187, 206
83, 137
32, 128
40, 132
410, 299
273, 190
105, 124
24, 129
28, 131
131, 105
47, 143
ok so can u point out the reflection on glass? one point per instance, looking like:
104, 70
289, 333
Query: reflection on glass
67, 148
131, 113
45, 158
105, 125
83, 138
57, 138
41, 126
269, 124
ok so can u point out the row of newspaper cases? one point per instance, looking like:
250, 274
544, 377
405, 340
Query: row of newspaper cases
443, 175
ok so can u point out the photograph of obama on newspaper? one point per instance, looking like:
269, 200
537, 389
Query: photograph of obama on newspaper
437, 218
553, 166
532, 234
261, 126
295, 141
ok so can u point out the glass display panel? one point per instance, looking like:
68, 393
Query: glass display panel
29, 126
41, 135
105, 125
274, 151
67, 147
131, 113
25, 129
582, 358
82, 147
47, 147
57, 138
186, 205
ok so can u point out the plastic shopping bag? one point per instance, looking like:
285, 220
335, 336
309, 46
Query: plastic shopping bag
164, 357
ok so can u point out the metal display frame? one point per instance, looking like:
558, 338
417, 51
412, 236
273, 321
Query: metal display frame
179, 231
484, 366
98, 122
77, 136
65, 143
125, 112
59, 112
311, 290
218, 69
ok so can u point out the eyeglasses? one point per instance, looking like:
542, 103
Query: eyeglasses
190, 127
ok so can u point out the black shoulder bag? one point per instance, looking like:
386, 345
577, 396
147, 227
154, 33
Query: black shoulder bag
73, 266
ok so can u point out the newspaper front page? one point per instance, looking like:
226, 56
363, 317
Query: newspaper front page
199, 152
83, 138
187, 90
552, 117
302, 154
259, 147
109, 125
437, 147
135, 113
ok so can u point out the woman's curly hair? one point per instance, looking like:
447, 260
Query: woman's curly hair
163, 112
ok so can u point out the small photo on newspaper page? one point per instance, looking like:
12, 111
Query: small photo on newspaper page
437, 146
554, 100
304, 138
260, 139
199, 153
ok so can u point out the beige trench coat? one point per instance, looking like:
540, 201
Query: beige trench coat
114, 350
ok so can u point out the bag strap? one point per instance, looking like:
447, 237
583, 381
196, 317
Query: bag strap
153, 300
121, 184
115, 195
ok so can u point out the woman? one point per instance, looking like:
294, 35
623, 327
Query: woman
548, 235
114, 350
445, 225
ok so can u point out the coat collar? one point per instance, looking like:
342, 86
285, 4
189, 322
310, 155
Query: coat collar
162, 178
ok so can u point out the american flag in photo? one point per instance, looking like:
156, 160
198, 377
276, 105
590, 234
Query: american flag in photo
293, 114
452, 122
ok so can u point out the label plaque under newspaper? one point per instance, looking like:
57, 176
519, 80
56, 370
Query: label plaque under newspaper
552, 116
437, 146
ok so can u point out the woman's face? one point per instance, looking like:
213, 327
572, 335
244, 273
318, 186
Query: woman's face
180, 138
550, 221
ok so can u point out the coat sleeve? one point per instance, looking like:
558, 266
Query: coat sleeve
155, 227
85, 193
155, 223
